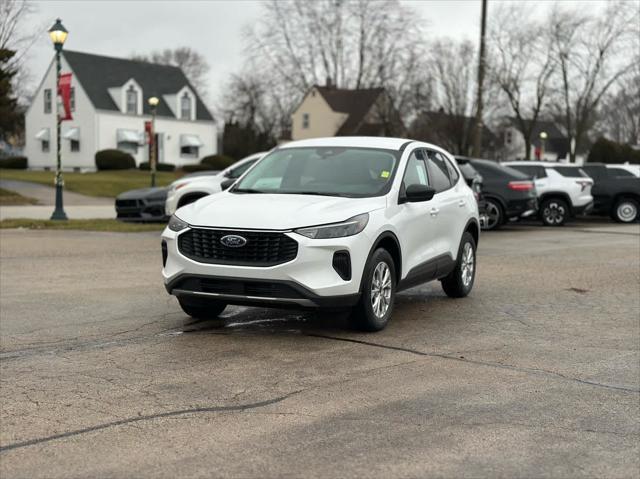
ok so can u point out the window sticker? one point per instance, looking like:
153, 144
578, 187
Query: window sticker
385, 174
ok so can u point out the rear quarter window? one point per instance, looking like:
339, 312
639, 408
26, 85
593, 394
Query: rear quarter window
570, 171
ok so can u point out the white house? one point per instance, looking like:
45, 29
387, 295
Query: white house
109, 103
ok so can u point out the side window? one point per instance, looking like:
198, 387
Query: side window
47, 100
237, 172
453, 173
438, 171
416, 172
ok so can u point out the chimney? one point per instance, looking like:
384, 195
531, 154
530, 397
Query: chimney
328, 82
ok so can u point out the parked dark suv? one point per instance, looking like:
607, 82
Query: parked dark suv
614, 195
508, 194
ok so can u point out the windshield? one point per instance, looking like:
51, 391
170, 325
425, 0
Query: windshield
329, 171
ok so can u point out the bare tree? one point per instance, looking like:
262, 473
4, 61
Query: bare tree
619, 115
193, 64
522, 65
592, 54
354, 44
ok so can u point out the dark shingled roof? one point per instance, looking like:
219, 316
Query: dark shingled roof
355, 103
98, 73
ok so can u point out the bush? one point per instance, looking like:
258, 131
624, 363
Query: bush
159, 167
217, 162
114, 160
197, 167
606, 151
14, 162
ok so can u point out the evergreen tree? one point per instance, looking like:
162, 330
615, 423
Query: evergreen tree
10, 117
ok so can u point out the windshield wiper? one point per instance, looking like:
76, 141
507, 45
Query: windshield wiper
246, 190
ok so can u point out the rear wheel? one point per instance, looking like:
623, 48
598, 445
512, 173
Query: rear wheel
625, 210
378, 293
200, 308
494, 215
554, 212
459, 282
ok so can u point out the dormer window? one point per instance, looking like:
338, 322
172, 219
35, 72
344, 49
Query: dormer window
185, 106
132, 100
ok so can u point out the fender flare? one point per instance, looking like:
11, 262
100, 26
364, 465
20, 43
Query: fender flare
386, 235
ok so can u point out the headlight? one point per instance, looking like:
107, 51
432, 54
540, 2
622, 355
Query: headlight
176, 224
351, 227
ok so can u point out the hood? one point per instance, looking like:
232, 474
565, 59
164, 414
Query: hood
143, 193
274, 211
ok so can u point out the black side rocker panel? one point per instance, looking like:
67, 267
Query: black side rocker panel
435, 268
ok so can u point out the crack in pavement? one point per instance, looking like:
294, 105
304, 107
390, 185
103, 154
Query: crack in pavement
543, 372
148, 417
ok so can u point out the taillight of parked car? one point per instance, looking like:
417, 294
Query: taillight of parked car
583, 184
521, 185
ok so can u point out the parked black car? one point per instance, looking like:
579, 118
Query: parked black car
474, 180
145, 204
507, 193
614, 195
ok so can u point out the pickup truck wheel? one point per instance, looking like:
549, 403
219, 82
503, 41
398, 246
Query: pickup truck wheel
494, 215
459, 282
375, 307
625, 210
203, 309
554, 212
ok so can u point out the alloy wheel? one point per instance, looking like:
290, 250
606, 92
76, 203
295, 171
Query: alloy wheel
468, 265
381, 289
554, 213
493, 215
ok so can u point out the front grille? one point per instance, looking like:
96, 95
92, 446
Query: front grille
126, 203
261, 249
261, 289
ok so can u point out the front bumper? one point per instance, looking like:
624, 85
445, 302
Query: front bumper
309, 280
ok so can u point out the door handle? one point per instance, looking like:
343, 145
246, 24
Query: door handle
434, 212
461, 203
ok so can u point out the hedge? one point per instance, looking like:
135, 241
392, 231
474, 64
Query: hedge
217, 162
14, 162
114, 160
159, 167
197, 167
607, 151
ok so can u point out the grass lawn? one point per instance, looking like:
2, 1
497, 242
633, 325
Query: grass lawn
86, 225
11, 198
101, 183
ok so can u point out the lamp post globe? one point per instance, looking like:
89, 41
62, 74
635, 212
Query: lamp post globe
58, 35
153, 104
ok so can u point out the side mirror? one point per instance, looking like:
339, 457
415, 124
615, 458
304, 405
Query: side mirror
226, 184
418, 193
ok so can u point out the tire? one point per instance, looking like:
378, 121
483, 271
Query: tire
495, 215
625, 210
373, 311
459, 282
554, 212
202, 309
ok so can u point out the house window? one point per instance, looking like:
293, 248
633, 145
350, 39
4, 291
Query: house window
189, 151
75, 145
305, 120
508, 137
72, 98
47, 100
185, 107
128, 147
132, 100
45, 146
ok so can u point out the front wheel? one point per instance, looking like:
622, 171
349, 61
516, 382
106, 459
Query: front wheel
200, 308
378, 293
554, 212
625, 210
459, 282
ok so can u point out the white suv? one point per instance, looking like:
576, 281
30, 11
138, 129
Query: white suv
330, 222
187, 190
563, 190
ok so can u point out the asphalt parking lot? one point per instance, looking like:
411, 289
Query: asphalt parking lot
536, 374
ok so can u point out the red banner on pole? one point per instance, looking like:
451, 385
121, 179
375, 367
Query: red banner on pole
64, 92
148, 129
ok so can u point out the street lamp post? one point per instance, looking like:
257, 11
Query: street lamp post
543, 140
58, 35
153, 103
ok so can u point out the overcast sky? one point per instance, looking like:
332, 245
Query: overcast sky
214, 28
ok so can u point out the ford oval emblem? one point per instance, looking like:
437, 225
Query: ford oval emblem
233, 241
